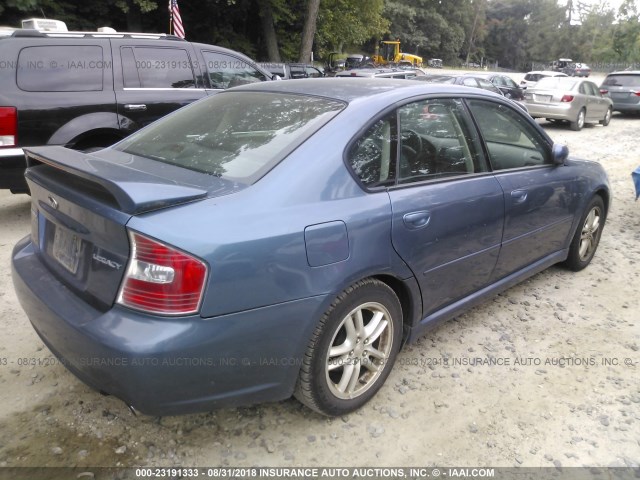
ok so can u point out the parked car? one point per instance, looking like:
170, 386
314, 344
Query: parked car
623, 88
468, 80
381, 73
568, 99
506, 84
434, 63
188, 254
578, 70
287, 71
87, 90
531, 78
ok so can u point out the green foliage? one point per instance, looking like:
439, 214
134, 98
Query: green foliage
348, 23
513, 33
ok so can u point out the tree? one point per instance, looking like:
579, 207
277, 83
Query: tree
626, 40
349, 23
268, 30
477, 29
309, 30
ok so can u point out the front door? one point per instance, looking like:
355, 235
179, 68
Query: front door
539, 197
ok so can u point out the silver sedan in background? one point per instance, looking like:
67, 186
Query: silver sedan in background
568, 99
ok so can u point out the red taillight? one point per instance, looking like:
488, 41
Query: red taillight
567, 98
8, 127
161, 279
637, 94
604, 91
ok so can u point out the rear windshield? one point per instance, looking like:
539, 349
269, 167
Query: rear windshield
235, 135
622, 81
436, 79
533, 77
557, 83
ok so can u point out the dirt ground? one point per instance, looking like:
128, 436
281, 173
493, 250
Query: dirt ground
566, 394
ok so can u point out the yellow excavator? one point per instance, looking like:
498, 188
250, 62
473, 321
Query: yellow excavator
388, 52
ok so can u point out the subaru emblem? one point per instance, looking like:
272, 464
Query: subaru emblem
53, 202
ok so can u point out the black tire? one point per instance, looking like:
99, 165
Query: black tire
607, 118
322, 375
579, 121
587, 237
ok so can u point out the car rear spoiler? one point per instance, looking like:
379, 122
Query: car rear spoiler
135, 191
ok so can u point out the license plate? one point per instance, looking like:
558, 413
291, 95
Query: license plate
543, 98
66, 249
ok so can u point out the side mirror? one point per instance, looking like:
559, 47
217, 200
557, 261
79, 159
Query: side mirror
559, 153
276, 77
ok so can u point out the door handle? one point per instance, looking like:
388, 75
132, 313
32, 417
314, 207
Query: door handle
135, 107
415, 220
519, 196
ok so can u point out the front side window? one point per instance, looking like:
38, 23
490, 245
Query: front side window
436, 141
226, 71
61, 68
511, 141
508, 82
237, 136
313, 72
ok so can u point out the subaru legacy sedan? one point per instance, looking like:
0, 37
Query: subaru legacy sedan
288, 238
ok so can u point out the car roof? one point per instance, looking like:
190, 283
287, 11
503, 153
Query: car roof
348, 89
565, 79
625, 72
369, 71
482, 75
548, 72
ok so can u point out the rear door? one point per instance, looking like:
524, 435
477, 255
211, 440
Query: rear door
448, 210
152, 80
539, 197
65, 88
597, 103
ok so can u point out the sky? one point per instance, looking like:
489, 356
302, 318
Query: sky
615, 4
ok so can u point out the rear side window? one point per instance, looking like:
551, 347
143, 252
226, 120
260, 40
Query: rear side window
147, 67
372, 156
236, 135
61, 68
622, 81
592, 89
435, 141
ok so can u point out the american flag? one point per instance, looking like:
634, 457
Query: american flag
176, 19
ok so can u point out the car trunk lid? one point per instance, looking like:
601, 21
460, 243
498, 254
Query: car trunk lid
81, 204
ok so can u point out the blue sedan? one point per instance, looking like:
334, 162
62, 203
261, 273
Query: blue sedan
288, 238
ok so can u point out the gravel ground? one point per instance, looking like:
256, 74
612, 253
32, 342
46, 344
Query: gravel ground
566, 394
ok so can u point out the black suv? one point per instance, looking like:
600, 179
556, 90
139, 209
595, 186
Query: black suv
88, 90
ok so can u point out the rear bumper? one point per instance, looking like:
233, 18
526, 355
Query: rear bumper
12, 166
164, 366
626, 107
561, 112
